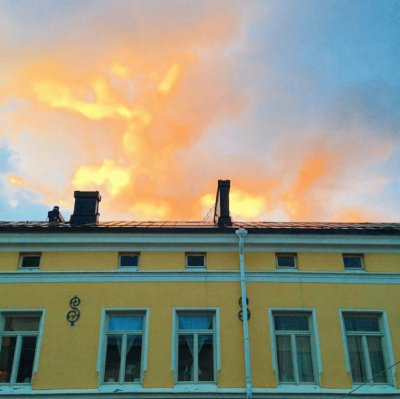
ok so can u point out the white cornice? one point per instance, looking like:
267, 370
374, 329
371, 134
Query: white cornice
16, 277
207, 242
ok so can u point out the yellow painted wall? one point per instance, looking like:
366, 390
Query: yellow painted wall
260, 261
69, 354
327, 262
162, 261
222, 261
79, 261
382, 262
9, 261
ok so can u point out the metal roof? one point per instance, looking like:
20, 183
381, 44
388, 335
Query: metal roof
194, 227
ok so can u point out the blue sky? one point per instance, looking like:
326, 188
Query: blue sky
297, 102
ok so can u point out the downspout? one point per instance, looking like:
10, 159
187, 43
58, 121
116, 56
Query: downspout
242, 233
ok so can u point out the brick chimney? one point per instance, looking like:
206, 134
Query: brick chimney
221, 210
86, 207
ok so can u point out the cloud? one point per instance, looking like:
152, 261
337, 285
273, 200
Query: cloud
151, 103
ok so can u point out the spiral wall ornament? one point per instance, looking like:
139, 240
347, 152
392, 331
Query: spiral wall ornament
240, 313
74, 314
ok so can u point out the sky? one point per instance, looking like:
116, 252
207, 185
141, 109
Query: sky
151, 102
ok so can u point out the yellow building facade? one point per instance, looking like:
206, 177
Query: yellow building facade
158, 310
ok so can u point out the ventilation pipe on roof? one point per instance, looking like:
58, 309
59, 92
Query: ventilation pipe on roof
55, 216
221, 210
242, 233
86, 207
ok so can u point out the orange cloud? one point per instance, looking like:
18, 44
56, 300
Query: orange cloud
123, 111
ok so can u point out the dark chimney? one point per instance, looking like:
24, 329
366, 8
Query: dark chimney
86, 207
221, 211
55, 216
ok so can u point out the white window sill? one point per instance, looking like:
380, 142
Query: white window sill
195, 269
287, 269
350, 270
29, 269
128, 269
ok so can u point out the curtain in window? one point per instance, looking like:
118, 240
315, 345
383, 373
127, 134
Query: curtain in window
125, 323
26, 359
291, 323
205, 357
133, 357
284, 354
113, 358
376, 358
354, 344
26, 323
365, 323
304, 359
195, 322
185, 358
6, 357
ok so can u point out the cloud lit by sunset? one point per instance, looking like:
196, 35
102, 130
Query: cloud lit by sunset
150, 104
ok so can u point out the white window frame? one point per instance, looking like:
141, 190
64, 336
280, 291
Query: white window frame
353, 255
216, 343
23, 255
315, 345
203, 254
125, 268
21, 312
102, 351
387, 349
292, 254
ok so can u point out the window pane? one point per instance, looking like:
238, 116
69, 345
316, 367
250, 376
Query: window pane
22, 323
7, 357
304, 359
125, 323
26, 359
129, 260
196, 322
133, 358
30, 261
195, 260
113, 359
361, 323
285, 364
291, 323
356, 359
185, 358
352, 262
376, 358
206, 357
286, 260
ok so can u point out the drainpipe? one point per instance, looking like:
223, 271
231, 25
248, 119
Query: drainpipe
242, 233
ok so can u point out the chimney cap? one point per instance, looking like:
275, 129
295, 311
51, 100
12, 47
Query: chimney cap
87, 194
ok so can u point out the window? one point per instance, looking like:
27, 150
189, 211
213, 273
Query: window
195, 259
123, 347
366, 347
352, 261
295, 352
196, 347
287, 261
130, 259
18, 341
30, 260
